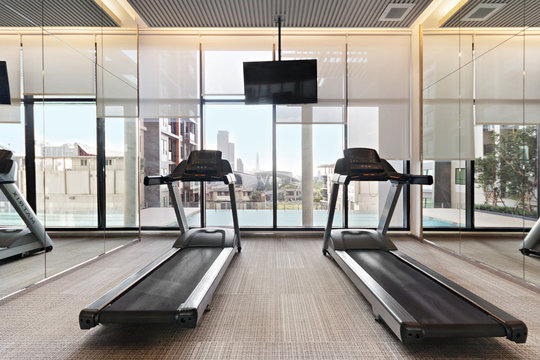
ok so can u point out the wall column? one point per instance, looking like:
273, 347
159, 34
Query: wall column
307, 166
131, 207
415, 218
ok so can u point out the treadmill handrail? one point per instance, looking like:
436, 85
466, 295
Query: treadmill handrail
170, 178
345, 179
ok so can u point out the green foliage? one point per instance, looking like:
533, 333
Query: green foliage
509, 171
506, 210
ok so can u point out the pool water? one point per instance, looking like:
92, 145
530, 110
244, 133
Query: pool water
293, 218
247, 218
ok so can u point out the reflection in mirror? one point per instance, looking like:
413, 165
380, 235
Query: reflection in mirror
121, 166
66, 150
26, 267
480, 124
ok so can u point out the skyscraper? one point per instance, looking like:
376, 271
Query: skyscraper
257, 162
239, 165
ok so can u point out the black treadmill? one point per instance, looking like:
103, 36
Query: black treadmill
178, 286
414, 301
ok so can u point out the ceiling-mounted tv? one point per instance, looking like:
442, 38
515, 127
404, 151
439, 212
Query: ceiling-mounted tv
5, 98
280, 82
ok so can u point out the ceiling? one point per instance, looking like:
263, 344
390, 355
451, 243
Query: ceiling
254, 13
209, 13
34, 13
514, 13
261, 13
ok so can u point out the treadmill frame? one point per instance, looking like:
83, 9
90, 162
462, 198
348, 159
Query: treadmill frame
190, 311
384, 306
32, 239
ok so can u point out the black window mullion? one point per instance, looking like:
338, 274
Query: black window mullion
274, 168
202, 187
100, 170
30, 151
407, 197
469, 194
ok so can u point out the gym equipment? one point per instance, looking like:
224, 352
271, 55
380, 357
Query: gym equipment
19, 241
178, 286
414, 301
531, 244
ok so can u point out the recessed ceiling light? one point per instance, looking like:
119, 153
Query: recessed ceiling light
482, 12
395, 12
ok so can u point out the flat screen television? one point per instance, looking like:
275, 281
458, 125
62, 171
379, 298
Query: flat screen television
280, 82
5, 98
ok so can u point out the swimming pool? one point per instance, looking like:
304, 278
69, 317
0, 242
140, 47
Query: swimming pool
293, 218
247, 218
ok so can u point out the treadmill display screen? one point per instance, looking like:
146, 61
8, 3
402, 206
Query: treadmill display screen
204, 162
363, 160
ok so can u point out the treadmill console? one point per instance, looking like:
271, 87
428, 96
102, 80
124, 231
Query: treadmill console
204, 162
363, 161
6, 166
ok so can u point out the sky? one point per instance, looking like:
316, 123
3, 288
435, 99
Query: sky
249, 127
64, 124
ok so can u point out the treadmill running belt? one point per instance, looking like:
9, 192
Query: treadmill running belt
431, 304
167, 287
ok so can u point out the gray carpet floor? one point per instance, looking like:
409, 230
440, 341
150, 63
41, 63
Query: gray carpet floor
17, 273
280, 299
499, 250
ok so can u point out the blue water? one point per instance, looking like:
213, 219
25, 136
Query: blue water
293, 218
247, 218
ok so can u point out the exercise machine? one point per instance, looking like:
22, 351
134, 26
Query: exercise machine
19, 241
531, 244
414, 301
178, 286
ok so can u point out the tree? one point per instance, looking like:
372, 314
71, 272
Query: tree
486, 170
509, 170
517, 165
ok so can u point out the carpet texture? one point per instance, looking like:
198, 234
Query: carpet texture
280, 299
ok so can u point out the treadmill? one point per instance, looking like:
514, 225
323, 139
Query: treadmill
414, 301
19, 241
531, 244
178, 286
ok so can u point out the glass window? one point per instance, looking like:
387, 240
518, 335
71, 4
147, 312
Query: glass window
459, 175
506, 176
12, 138
66, 185
223, 58
306, 155
444, 201
368, 198
165, 142
121, 172
243, 134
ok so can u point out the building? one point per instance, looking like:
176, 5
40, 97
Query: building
239, 165
226, 147
167, 142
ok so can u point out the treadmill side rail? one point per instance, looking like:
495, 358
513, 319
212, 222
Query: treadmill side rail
384, 306
516, 330
89, 316
202, 295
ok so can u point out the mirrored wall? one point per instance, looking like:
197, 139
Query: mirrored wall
73, 132
480, 123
